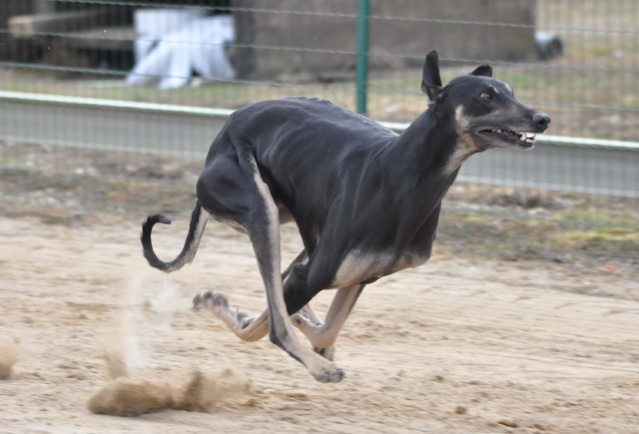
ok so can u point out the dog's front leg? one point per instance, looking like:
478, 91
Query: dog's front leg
306, 320
324, 335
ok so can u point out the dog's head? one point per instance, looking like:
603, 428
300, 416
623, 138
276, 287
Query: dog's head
485, 110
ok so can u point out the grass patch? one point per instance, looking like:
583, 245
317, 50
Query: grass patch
66, 185
601, 239
512, 236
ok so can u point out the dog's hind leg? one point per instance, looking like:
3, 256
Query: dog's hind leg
249, 329
252, 329
245, 327
258, 213
263, 229
255, 328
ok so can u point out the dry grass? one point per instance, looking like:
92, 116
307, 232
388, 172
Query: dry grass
478, 220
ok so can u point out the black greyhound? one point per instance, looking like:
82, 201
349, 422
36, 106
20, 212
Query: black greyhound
366, 200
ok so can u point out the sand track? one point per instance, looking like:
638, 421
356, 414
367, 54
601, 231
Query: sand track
456, 346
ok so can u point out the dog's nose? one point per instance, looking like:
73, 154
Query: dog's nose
541, 119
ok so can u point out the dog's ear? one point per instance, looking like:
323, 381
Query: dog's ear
483, 70
441, 97
431, 80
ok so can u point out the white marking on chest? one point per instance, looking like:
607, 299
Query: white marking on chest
360, 266
460, 155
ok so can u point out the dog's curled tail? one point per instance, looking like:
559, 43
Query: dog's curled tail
196, 229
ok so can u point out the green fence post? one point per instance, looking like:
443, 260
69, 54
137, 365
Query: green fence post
362, 55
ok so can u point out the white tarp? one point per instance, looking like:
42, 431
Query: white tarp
172, 57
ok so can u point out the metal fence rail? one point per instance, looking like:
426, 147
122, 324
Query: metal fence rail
102, 75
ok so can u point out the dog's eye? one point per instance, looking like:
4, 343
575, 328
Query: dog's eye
486, 96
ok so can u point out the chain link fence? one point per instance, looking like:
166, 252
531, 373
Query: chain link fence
135, 90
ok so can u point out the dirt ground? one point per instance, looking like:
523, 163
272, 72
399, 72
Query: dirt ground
459, 345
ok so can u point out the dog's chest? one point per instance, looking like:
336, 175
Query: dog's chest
359, 266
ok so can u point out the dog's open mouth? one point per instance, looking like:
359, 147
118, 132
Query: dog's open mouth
522, 139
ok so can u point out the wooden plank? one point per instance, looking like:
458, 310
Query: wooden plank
28, 26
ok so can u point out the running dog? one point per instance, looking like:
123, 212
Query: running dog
365, 199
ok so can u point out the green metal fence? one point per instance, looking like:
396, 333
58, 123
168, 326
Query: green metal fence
87, 80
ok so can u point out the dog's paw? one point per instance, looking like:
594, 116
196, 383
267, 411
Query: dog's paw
244, 319
210, 299
327, 353
197, 302
332, 375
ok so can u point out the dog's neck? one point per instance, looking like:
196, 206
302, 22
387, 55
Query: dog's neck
424, 153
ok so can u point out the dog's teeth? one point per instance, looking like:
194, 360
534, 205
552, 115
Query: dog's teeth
527, 137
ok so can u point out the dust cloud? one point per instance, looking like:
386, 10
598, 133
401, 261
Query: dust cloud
133, 387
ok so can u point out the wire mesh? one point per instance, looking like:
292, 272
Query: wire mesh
577, 60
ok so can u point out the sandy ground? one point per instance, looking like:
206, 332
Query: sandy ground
456, 346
